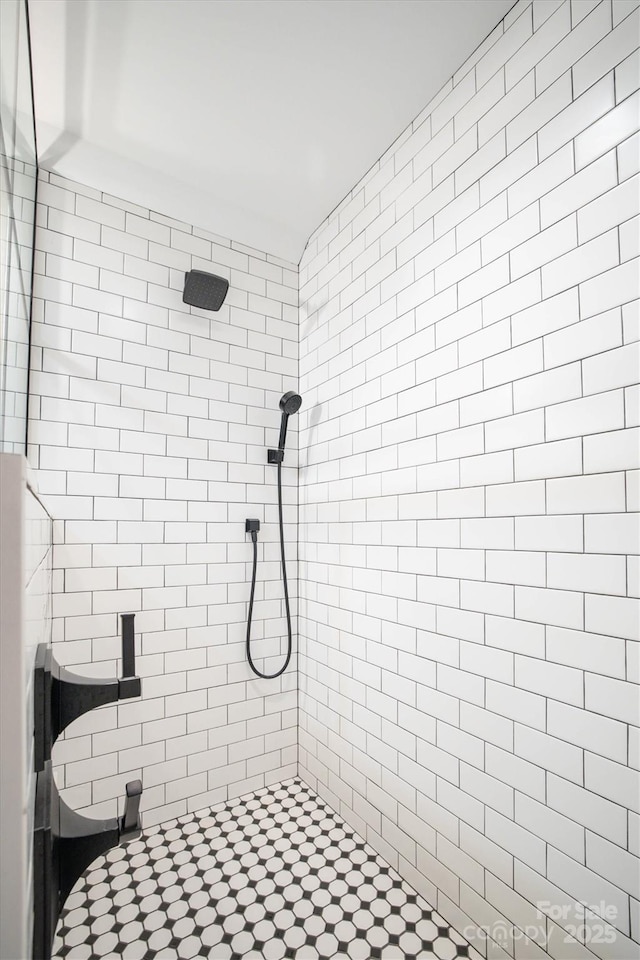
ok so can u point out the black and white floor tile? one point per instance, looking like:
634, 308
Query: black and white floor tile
276, 874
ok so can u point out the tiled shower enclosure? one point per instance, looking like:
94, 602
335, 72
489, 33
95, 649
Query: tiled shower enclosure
463, 331
152, 420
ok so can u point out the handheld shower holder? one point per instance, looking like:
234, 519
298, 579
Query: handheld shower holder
275, 456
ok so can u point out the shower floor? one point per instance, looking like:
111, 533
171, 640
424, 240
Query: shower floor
274, 874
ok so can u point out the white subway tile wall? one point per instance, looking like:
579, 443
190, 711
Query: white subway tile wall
149, 427
469, 621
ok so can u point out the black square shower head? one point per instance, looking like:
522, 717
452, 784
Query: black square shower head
204, 290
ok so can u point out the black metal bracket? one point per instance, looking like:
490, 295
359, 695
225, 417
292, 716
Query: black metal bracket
275, 456
62, 696
65, 843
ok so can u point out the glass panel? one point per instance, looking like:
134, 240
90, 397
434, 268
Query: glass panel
18, 177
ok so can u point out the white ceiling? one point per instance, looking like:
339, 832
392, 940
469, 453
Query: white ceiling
249, 118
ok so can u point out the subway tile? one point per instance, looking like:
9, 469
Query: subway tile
493, 598
487, 661
585, 35
521, 843
588, 338
546, 105
483, 160
519, 430
457, 267
577, 191
614, 864
488, 405
456, 563
460, 804
549, 753
562, 458
612, 208
70, 225
595, 414
510, 299
541, 180
609, 289
590, 572
585, 807
549, 533
490, 533
457, 212
479, 105
453, 102
450, 161
617, 616
552, 314
523, 776
514, 499
613, 368
629, 242
626, 77
515, 567
550, 680
616, 699
621, 10
558, 831
484, 343
506, 46
614, 47
612, 451
612, 533
499, 178
591, 258
490, 215
544, 248
486, 469
484, 281
567, 873
520, 94
561, 608
489, 726
613, 781
505, 237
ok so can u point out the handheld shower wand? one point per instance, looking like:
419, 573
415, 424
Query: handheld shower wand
289, 404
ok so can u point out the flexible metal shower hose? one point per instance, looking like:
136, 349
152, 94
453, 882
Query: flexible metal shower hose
254, 539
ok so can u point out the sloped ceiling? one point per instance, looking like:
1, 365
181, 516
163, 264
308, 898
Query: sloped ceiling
249, 118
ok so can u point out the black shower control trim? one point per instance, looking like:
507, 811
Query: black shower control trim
62, 696
65, 843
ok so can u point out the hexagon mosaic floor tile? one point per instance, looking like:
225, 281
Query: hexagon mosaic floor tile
275, 874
